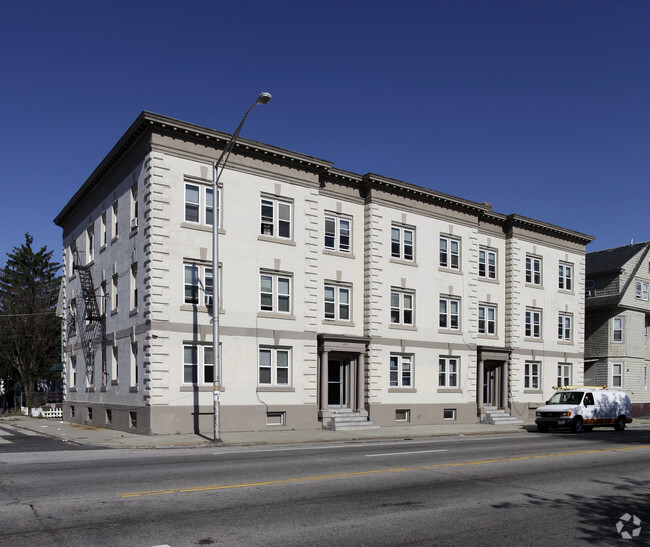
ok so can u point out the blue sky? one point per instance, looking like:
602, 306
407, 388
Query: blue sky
540, 107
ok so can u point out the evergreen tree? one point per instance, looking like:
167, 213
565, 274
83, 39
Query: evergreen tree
30, 331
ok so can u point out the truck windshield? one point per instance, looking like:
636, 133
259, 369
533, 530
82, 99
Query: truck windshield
566, 398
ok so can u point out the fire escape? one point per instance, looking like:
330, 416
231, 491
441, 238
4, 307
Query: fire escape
90, 318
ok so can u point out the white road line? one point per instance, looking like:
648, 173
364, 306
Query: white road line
403, 453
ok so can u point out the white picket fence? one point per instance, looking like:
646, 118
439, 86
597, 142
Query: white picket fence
43, 412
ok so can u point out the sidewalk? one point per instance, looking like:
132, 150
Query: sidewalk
90, 436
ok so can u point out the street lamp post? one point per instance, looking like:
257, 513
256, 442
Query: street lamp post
218, 168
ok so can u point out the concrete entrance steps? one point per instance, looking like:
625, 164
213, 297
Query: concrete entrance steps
346, 420
496, 416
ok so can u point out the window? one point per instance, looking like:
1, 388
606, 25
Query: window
274, 366
72, 258
198, 279
134, 364
617, 329
645, 377
73, 371
72, 317
448, 372
401, 307
531, 375
115, 369
487, 264
533, 328
133, 420
449, 313
109, 416
103, 228
642, 290
337, 233
192, 203
590, 287
275, 218
533, 270
401, 371
134, 207
191, 284
564, 327
565, 277
275, 293
134, 287
115, 222
114, 296
487, 319
449, 253
209, 206
90, 414
617, 374
401, 243
449, 414
563, 374
104, 367
191, 364
90, 241
337, 303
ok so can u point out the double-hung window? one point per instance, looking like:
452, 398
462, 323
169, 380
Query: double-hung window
275, 293
337, 302
134, 287
275, 218
450, 253
90, 242
487, 264
116, 223
533, 325
199, 204
401, 307
198, 284
134, 207
564, 327
563, 374
533, 270
273, 366
617, 329
449, 316
402, 243
401, 370
642, 290
448, 372
114, 295
487, 319
617, 374
565, 277
531, 375
338, 232
196, 359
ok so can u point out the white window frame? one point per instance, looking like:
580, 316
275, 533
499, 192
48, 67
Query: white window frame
565, 327
90, 243
487, 264
402, 307
565, 277
276, 369
115, 364
532, 375
618, 329
104, 232
642, 290
487, 325
534, 270
114, 294
449, 372
73, 372
617, 375
590, 287
338, 233
400, 369
279, 299
134, 207
337, 302
192, 207
199, 285
449, 254
448, 317
134, 287
135, 379
273, 221
564, 374
116, 224
402, 243
533, 323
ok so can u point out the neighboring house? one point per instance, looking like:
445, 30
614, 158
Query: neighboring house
339, 292
618, 320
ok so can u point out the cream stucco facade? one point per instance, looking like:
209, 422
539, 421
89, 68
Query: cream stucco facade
338, 292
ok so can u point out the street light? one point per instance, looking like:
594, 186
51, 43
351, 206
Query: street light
218, 168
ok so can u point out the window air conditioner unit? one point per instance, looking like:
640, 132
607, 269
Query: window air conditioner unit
134, 223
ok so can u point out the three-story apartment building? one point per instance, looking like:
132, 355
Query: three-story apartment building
338, 293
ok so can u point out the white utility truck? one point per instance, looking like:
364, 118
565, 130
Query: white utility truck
583, 408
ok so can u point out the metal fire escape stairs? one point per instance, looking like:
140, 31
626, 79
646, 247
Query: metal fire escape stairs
90, 317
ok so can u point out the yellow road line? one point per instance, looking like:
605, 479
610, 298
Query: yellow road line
369, 472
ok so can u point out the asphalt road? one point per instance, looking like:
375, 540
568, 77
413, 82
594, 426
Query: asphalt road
519, 489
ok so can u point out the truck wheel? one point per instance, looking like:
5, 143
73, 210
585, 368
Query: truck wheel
542, 428
577, 425
620, 424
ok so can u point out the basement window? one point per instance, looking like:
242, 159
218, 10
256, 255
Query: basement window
449, 414
133, 420
403, 415
71, 411
109, 416
275, 418
90, 414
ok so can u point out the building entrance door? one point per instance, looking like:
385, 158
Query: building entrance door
490, 385
337, 383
